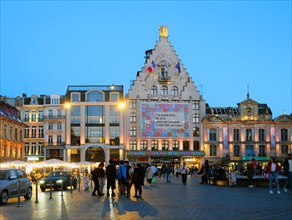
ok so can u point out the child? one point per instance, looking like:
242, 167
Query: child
86, 182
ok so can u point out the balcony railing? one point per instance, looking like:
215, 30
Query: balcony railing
46, 117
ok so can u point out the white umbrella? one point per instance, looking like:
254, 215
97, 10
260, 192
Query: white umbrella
52, 163
16, 163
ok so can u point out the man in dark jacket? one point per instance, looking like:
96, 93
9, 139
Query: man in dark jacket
288, 172
111, 173
94, 176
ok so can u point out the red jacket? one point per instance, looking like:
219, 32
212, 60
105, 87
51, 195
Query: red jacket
269, 167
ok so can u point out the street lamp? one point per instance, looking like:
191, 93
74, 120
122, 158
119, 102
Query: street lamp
67, 107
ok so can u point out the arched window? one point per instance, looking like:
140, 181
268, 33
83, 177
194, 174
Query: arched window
154, 90
95, 97
164, 90
174, 90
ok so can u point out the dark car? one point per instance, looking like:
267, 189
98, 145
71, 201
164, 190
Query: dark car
14, 182
58, 179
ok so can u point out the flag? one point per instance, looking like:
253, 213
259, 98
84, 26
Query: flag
177, 66
166, 65
151, 67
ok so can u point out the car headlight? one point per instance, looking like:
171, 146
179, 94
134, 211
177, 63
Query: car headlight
59, 181
42, 182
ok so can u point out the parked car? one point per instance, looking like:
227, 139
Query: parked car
57, 178
9, 179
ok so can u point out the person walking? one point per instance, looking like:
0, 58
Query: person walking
184, 173
273, 170
111, 177
149, 174
94, 176
288, 172
168, 171
101, 177
205, 178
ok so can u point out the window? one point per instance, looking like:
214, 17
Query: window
133, 145
26, 148
165, 145
41, 132
154, 145
213, 150
33, 116
133, 132
26, 116
154, 90
114, 135
59, 113
133, 103
75, 114
114, 114
41, 116
33, 148
262, 150
262, 134
50, 126
174, 91
236, 135
284, 134
59, 126
143, 145
164, 90
196, 105
15, 134
55, 101
26, 133
50, 139
95, 114
51, 113
196, 118
196, 131
41, 149
236, 150
33, 132
284, 149
75, 97
133, 117
59, 139
196, 145
212, 134
175, 145
94, 134
114, 97
95, 97
186, 145
248, 135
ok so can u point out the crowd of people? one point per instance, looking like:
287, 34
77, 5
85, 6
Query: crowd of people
128, 175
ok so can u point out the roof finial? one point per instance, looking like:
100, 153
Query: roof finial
163, 31
247, 90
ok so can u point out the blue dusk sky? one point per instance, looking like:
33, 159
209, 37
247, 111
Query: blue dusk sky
225, 46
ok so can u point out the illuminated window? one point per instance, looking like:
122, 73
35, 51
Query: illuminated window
196, 118
133, 117
143, 144
196, 105
133, 103
133, 145
175, 145
165, 145
154, 145
50, 139
41, 132
33, 132
248, 134
133, 132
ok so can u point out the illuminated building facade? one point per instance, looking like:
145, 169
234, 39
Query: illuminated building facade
11, 133
93, 127
239, 134
163, 111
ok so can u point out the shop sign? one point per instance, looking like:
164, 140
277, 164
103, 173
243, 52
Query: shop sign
165, 153
32, 158
257, 158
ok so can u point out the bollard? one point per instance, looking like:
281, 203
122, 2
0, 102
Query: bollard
71, 183
62, 188
79, 182
36, 191
51, 188
18, 193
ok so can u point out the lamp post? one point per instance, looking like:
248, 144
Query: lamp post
67, 107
